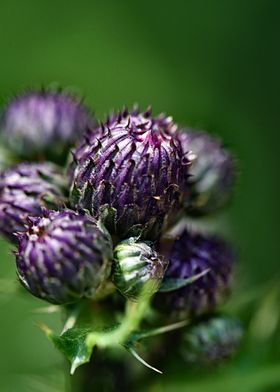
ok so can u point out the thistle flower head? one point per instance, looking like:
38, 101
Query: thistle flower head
190, 255
212, 174
43, 122
211, 341
138, 268
63, 256
24, 190
134, 167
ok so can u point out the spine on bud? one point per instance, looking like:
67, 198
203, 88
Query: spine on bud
63, 257
25, 190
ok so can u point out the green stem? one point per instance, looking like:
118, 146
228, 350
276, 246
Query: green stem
134, 314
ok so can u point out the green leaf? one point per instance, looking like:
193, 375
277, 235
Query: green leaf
72, 344
171, 284
138, 335
129, 345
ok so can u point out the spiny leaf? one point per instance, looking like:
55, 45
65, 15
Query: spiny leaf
171, 284
72, 344
141, 360
138, 335
77, 343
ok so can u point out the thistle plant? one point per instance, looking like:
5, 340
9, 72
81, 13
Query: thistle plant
94, 234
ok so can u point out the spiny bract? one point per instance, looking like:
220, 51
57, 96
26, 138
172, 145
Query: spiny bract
24, 190
133, 170
138, 268
63, 256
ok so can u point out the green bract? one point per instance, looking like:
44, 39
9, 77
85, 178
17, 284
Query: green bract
138, 268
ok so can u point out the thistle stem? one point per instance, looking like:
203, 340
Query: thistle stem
134, 313
100, 372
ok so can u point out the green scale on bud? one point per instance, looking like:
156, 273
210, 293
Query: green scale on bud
138, 268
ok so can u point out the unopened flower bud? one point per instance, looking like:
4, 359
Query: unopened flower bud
24, 190
138, 268
63, 257
134, 168
43, 123
210, 342
193, 255
212, 173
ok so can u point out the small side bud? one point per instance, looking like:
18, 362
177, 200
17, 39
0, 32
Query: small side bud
209, 343
44, 123
212, 173
193, 254
138, 269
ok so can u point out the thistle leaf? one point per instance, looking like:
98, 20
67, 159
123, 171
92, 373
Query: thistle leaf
141, 360
171, 284
138, 335
72, 344
129, 345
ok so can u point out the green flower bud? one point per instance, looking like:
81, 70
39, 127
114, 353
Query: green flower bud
211, 341
138, 268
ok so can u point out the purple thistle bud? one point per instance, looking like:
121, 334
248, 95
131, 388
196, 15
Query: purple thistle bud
44, 122
212, 173
133, 168
24, 190
63, 257
138, 268
192, 254
210, 342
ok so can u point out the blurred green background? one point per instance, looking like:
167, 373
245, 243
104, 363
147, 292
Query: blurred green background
211, 64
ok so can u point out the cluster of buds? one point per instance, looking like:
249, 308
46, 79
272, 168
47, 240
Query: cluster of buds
102, 218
